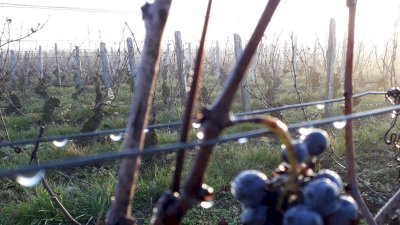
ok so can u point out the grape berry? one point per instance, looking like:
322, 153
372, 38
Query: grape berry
318, 200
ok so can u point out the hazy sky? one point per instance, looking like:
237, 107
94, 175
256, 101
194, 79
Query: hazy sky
308, 19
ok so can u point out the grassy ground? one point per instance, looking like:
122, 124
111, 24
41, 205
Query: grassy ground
87, 191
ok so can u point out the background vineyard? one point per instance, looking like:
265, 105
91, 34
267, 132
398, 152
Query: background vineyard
70, 91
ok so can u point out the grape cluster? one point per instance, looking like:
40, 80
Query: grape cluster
317, 198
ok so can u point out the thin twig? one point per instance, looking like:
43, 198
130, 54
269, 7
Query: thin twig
190, 103
386, 212
46, 186
349, 141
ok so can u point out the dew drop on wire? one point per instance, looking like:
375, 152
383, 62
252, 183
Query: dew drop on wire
60, 143
339, 124
116, 137
242, 140
200, 135
196, 125
393, 115
30, 181
320, 106
305, 130
206, 205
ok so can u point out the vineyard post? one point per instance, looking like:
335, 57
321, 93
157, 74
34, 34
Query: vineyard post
131, 61
26, 68
330, 64
217, 61
78, 69
190, 60
343, 62
179, 61
105, 65
243, 92
254, 62
113, 65
40, 64
277, 65
13, 66
57, 69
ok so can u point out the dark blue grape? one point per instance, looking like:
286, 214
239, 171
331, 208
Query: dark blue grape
331, 175
347, 213
322, 196
254, 215
316, 141
249, 187
301, 215
300, 150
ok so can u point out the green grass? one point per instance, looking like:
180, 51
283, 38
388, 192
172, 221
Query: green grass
87, 191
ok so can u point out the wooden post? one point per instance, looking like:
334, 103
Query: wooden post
13, 66
131, 61
27, 68
189, 61
106, 65
330, 58
243, 91
179, 61
343, 63
254, 62
40, 64
277, 64
217, 61
294, 59
57, 69
78, 69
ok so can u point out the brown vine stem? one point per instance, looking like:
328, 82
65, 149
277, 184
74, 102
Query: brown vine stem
190, 103
155, 17
46, 185
214, 120
348, 96
386, 212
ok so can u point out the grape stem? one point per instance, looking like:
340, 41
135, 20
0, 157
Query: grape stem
349, 141
280, 129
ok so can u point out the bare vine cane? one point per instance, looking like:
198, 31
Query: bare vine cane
155, 16
213, 120
348, 96
190, 103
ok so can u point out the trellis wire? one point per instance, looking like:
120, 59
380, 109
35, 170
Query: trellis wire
74, 162
177, 124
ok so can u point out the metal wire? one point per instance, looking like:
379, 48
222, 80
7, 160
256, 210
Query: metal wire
87, 135
74, 162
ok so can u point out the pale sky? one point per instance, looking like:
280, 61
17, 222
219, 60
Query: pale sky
308, 19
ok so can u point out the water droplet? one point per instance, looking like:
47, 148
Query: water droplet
111, 97
320, 106
283, 146
116, 137
200, 135
339, 124
146, 130
60, 143
305, 130
206, 205
393, 115
196, 125
112, 198
108, 102
242, 140
30, 181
